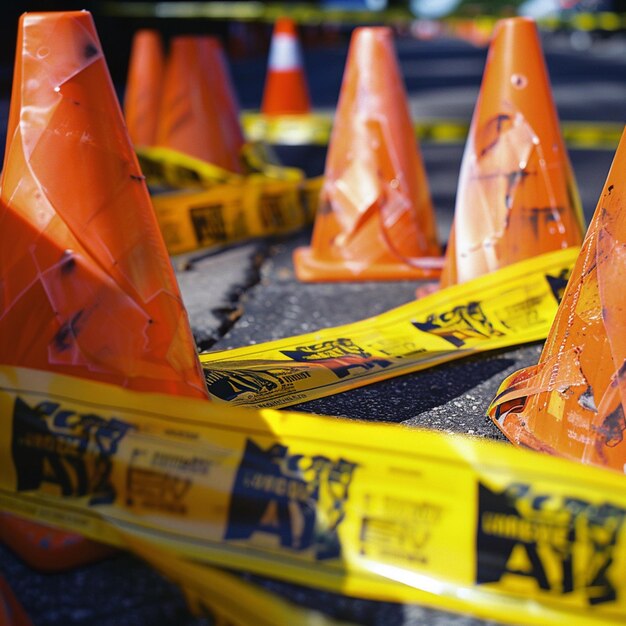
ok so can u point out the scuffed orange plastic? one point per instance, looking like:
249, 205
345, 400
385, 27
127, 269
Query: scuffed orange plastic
285, 91
48, 549
376, 220
516, 195
189, 117
143, 87
86, 285
572, 402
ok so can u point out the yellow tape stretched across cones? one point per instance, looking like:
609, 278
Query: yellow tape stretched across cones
210, 207
230, 213
362, 509
165, 167
315, 129
368, 510
305, 13
510, 306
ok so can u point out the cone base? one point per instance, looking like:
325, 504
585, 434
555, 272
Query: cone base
47, 549
310, 269
515, 430
426, 290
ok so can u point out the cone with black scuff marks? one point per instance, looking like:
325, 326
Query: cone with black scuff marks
516, 196
572, 403
87, 287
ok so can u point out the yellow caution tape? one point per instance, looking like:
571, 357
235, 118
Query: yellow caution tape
315, 129
164, 167
258, 157
222, 207
308, 129
305, 13
230, 213
368, 510
513, 305
170, 168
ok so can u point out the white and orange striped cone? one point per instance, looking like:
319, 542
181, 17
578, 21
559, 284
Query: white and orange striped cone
286, 91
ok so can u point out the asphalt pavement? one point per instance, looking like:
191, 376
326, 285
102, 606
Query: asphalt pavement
248, 294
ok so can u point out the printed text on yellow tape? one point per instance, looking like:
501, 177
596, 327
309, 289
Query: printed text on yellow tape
212, 208
369, 510
511, 306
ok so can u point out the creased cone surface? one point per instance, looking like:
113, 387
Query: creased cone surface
376, 218
189, 116
143, 87
86, 285
572, 402
516, 196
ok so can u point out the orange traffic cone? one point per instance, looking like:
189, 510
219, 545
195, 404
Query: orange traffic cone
516, 196
143, 87
224, 94
572, 402
87, 286
376, 221
286, 90
48, 549
189, 117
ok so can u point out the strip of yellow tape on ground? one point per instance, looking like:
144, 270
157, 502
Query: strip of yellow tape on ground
513, 305
222, 207
226, 214
368, 510
164, 167
315, 129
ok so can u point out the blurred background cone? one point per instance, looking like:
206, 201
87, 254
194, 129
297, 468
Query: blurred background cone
143, 87
224, 94
285, 90
375, 220
189, 116
516, 196
87, 286
572, 402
